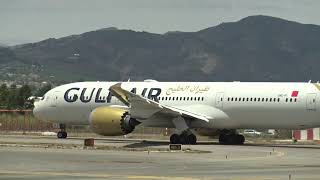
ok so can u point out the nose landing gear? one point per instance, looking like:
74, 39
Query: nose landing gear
62, 134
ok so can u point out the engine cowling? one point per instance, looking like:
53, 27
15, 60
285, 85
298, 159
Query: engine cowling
112, 121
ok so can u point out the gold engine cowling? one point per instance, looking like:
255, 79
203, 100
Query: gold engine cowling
111, 121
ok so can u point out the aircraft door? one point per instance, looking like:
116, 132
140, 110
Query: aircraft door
311, 101
54, 99
219, 100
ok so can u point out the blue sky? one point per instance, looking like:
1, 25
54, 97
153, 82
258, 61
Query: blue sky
24, 21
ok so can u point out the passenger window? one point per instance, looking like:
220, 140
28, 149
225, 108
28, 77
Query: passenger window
278, 99
202, 98
286, 99
255, 99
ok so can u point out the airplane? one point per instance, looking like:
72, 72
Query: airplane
204, 108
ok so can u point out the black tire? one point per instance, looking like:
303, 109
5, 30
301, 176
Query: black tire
65, 135
175, 139
222, 139
60, 134
240, 139
191, 139
235, 139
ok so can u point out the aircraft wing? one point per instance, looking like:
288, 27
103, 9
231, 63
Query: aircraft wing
143, 108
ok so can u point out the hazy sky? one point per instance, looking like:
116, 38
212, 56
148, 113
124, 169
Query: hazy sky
25, 21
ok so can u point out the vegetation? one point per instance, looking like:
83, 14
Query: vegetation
17, 98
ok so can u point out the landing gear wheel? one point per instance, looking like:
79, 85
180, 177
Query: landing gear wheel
62, 134
191, 139
231, 139
174, 139
240, 139
223, 139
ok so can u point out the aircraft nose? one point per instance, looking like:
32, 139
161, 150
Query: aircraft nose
37, 111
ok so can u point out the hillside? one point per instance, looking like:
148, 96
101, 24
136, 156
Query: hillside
256, 48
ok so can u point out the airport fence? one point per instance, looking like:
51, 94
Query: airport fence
22, 121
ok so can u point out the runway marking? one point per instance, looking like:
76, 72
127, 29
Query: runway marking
69, 174
161, 178
55, 174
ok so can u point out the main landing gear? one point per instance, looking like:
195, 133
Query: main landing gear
62, 134
230, 137
184, 138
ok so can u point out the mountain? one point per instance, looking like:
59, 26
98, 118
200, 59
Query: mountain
256, 48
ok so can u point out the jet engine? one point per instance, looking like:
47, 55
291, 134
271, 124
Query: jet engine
112, 121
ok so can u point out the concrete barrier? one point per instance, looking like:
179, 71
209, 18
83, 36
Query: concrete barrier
89, 142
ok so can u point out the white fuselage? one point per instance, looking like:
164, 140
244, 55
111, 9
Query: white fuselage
228, 105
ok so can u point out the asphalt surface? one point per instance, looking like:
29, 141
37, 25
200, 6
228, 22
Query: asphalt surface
28, 157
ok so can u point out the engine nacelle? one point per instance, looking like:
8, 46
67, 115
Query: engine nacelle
112, 121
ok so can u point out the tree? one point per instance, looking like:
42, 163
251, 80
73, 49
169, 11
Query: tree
4, 94
12, 97
42, 90
22, 95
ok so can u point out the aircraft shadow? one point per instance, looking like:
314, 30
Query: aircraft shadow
144, 144
148, 143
